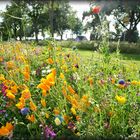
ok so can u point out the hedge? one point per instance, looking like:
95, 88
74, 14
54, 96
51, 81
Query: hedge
124, 47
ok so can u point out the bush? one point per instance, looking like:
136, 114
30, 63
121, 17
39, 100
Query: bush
125, 47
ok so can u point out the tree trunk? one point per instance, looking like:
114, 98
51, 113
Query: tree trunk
36, 36
61, 36
15, 32
51, 14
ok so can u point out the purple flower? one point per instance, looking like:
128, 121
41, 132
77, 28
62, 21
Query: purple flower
76, 66
2, 111
121, 81
3, 89
49, 133
24, 111
71, 126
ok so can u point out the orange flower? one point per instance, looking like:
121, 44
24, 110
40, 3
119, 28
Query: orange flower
1, 58
50, 61
26, 76
44, 87
54, 71
14, 89
26, 94
43, 102
46, 83
64, 92
71, 90
44, 93
56, 111
90, 81
66, 118
26, 73
33, 106
78, 118
31, 118
113, 81
6, 130
10, 95
74, 103
10, 64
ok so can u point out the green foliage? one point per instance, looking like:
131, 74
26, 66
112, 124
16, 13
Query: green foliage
125, 47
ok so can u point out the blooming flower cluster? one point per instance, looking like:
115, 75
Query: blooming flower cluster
61, 94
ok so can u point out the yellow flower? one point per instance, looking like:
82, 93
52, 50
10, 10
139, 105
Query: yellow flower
120, 86
2, 77
20, 105
26, 94
6, 130
73, 111
120, 99
31, 118
134, 82
43, 102
10, 95
57, 121
65, 83
50, 61
47, 115
33, 106
97, 109
62, 76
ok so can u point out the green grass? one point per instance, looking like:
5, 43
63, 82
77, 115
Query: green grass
133, 58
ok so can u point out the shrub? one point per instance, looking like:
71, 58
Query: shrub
125, 47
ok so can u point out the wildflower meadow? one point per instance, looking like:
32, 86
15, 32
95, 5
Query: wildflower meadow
49, 92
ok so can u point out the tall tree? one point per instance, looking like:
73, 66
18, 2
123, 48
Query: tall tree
13, 19
126, 14
36, 9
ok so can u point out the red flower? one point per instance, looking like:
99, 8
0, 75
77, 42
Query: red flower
96, 9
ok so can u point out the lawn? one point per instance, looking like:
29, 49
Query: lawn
133, 58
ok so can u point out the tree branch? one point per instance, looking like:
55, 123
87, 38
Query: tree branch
121, 23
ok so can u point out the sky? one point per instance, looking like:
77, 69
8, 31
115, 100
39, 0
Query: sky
78, 6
